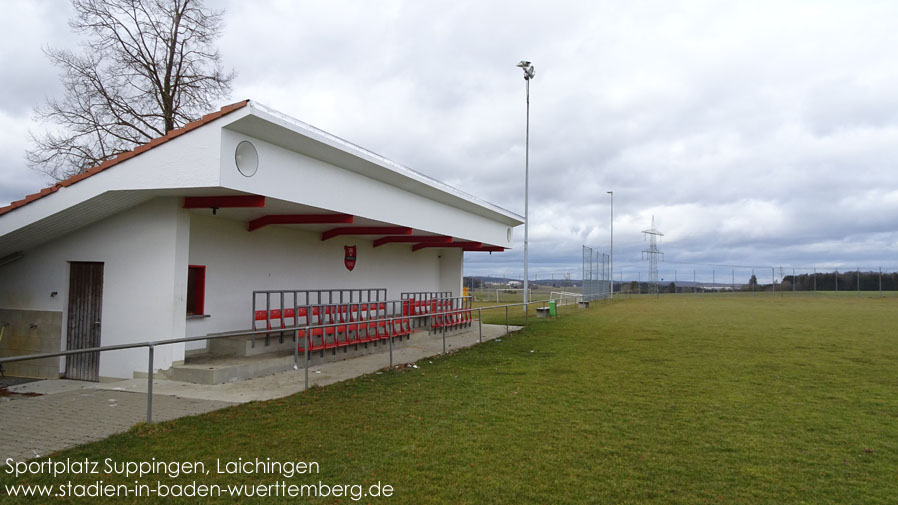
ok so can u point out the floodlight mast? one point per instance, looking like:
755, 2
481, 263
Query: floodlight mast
528, 74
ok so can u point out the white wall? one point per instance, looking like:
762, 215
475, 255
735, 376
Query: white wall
451, 268
144, 251
275, 257
292, 176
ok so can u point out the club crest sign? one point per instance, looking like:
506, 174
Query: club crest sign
349, 257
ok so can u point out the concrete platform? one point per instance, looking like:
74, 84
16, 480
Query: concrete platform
211, 369
235, 359
284, 383
243, 345
68, 413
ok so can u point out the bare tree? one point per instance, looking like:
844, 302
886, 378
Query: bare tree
147, 67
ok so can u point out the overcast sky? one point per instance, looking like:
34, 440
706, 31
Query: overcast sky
756, 133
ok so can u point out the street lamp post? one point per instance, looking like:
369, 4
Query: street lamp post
612, 244
528, 74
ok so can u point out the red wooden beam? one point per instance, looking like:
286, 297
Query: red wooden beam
223, 202
418, 247
255, 224
366, 230
485, 248
429, 239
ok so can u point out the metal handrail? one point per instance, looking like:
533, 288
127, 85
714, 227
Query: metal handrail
151, 345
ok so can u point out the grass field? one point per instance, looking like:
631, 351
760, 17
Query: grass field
671, 399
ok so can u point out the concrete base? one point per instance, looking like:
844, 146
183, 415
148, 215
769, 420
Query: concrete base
221, 369
583, 305
542, 312
247, 362
245, 346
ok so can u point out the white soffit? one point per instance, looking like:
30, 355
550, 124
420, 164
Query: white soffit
72, 218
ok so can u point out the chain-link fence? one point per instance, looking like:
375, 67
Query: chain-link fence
596, 274
682, 278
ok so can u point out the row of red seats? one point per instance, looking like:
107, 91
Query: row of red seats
449, 313
276, 318
445, 315
342, 325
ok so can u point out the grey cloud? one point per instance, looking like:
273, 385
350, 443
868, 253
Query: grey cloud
754, 132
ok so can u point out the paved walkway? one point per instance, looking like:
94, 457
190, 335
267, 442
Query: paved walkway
33, 427
70, 413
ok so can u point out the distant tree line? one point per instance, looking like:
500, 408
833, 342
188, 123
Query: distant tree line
822, 281
843, 281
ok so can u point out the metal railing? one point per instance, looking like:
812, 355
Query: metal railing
294, 329
282, 299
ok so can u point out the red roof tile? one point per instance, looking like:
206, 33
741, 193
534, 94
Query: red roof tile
208, 118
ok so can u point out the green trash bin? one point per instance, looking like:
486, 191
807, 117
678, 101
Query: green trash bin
552, 308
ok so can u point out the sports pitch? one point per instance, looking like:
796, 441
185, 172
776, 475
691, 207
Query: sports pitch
670, 399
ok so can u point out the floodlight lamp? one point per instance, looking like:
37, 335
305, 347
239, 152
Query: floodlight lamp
524, 64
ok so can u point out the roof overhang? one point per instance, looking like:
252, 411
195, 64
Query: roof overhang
259, 121
100, 192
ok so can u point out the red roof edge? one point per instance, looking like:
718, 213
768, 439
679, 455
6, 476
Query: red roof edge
208, 118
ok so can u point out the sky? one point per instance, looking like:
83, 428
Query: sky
758, 134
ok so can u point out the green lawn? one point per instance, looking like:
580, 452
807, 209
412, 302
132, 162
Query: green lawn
671, 399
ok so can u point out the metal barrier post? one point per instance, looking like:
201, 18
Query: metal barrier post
295, 349
308, 343
480, 325
150, 386
506, 319
391, 349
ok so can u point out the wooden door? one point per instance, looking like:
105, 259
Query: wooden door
83, 328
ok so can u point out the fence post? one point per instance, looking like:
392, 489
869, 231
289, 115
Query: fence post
837, 280
773, 280
308, 344
295, 343
150, 386
506, 319
391, 347
480, 325
880, 282
858, 282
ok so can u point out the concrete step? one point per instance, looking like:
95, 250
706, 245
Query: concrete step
243, 345
212, 369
